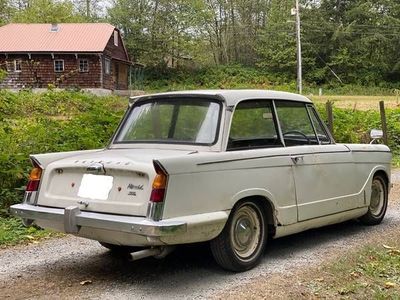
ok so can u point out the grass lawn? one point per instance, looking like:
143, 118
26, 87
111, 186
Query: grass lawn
359, 102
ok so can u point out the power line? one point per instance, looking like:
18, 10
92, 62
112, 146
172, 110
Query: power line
357, 25
304, 31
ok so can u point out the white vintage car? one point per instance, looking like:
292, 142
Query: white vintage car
233, 167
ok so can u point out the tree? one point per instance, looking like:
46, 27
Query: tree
157, 31
6, 11
90, 10
276, 43
47, 11
357, 39
232, 27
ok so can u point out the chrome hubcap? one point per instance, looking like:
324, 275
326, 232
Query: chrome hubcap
377, 197
246, 231
243, 232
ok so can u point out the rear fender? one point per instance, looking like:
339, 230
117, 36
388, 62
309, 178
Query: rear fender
257, 192
367, 185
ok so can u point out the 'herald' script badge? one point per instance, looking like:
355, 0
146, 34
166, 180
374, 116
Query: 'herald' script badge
135, 187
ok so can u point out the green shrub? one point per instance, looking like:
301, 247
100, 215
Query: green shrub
3, 74
353, 126
239, 77
50, 122
217, 77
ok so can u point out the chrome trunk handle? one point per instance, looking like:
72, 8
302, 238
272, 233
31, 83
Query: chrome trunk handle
96, 168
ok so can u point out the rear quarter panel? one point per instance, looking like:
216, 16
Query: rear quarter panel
207, 182
368, 160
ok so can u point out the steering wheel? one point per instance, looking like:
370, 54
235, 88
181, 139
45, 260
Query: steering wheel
299, 133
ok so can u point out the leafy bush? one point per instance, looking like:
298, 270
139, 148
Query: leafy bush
3, 74
239, 77
353, 126
217, 77
50, 122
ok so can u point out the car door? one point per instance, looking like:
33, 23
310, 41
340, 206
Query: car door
336, 172
261, 161
322, 171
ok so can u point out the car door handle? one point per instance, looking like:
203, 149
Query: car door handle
297, 158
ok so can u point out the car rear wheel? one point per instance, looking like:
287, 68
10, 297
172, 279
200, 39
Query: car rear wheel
378, 202
241, 244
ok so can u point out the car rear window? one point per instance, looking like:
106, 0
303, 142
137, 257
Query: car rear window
182, 121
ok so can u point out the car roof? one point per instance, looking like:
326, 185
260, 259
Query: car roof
232, 97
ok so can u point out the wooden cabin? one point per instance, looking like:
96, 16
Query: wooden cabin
82, 55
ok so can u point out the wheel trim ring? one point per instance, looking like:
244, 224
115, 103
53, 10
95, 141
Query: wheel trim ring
246, 243
377, 198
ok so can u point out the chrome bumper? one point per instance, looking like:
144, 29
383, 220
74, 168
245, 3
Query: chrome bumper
73, 219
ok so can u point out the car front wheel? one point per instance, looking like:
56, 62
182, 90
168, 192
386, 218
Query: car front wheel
241, 244
378, 202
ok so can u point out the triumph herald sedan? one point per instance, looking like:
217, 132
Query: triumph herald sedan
232, 167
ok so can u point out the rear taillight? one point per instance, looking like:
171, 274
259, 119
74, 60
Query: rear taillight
34, 179
159, 184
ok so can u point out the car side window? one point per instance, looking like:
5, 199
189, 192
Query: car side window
323, 137
295, 124
253, 126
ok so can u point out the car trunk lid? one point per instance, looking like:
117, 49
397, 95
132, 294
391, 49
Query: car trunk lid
109, 181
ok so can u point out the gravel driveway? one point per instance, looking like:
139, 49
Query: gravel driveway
55, 268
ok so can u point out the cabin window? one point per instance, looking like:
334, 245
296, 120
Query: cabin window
115, 38
107, 66
17, 65
59, 65
10, 66
83, 65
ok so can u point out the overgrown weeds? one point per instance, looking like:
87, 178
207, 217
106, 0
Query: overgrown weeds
371, 273
13, 232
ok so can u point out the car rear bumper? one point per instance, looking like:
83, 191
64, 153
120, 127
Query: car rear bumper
73, 219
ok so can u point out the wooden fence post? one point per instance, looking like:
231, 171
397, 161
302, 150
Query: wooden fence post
329, 113
383, 121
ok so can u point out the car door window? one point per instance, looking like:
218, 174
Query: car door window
253, 126
323, 137
295, 124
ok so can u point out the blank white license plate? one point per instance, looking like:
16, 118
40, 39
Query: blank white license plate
95, 186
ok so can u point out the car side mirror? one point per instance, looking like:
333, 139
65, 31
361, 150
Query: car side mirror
375, 134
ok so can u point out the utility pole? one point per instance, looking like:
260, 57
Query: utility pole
298, 42
88, 9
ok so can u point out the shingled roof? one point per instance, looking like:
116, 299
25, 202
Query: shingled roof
69, 37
